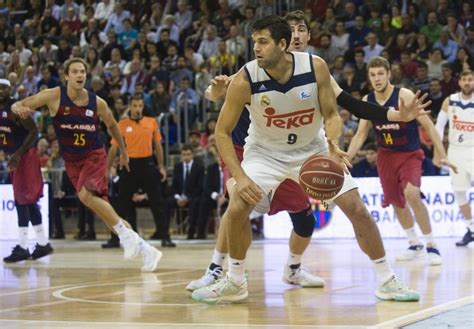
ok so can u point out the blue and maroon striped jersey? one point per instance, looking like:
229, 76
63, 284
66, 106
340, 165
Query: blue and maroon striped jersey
12, 133
395, 136
77, 127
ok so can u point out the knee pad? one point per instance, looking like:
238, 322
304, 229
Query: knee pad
461, 197
303, 222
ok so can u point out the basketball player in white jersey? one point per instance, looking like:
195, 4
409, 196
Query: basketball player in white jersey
458, 109
287, 102
298, 243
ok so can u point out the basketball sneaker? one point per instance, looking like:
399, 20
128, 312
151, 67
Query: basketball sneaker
130, 243
394, 289
18, 254
412, 252
151, 258
41, 251
224, 290
468, 237
210, 277
434, 256
301, 277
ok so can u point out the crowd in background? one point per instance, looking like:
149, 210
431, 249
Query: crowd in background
169, 51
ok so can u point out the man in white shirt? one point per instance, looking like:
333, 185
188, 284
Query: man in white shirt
373, 49
104, 10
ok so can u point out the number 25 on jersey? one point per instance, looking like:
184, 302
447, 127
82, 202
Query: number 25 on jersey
79, 139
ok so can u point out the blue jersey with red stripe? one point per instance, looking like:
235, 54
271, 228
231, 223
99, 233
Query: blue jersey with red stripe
395, 136
77, 127
12, 132
240, 131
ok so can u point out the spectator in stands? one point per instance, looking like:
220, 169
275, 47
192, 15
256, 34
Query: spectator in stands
409, 29
398, 79
421, 49
55, 165
184, 16
193, 59
401, 45
4, 55
115, 61
449, 47
185, 99
209, 131
337, 69
455, 30
436, 96
433, 28
49, 26
30, 82
434, 64
407, 65
23, 53
349, 15
222, 62
4, 172
111, 44
187, 187
210, 44
422, 82
247, 23
387, 32
164, 43
96, 67
181, 72
43, 151
466, 14
464, 61
326, 51
349, 83
169, 23
329, 21
72, 21
128, 37
367, 167
194, 138
68, 4
375, 22
236, 44
48, 52
358, 34
340, 39
449, 84
48, 80
159, 99
170, 62
15, 66
373, 48
115, 20
360, 67
137, 75
158, 74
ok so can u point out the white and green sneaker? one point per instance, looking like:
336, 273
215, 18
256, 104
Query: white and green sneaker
394, 289
224, 290
210, 277
302, 277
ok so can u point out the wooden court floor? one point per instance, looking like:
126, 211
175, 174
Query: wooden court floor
83, 286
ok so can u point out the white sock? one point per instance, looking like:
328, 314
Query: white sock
237, 270
23, 237
40, 236
293, 259
470, 224
120, 228
382, 269
429, 239
143, 245
412, 236
218, 257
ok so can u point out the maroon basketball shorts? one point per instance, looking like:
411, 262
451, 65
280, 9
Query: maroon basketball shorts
89, 172
26, 178
396, 170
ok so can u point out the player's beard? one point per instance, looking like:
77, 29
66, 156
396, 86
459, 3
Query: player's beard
467, 91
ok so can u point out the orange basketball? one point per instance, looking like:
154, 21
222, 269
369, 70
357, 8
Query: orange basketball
321, 177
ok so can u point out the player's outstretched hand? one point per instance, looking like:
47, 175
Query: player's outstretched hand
415, 108
23, 112
340, 155
124, 161
444, 162
249, 191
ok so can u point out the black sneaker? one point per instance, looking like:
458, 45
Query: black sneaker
468, 237
18, 254
41, 251
111, 243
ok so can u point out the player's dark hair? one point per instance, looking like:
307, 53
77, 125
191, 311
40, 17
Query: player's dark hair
277, 26
298, 16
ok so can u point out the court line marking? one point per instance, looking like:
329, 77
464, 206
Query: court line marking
59, 294
90, 282
221, 325
426, 313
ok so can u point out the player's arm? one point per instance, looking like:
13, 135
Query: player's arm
327, 102
111, 155
218, 87
442, 118
360, 136
30, 139
25, 107
159, 153
238, 95
106, 115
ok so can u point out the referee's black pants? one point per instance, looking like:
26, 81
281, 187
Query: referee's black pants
143, 174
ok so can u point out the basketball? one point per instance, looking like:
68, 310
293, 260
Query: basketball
321, 177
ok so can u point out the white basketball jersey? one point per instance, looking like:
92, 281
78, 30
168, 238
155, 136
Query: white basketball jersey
285, 117
461, 120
